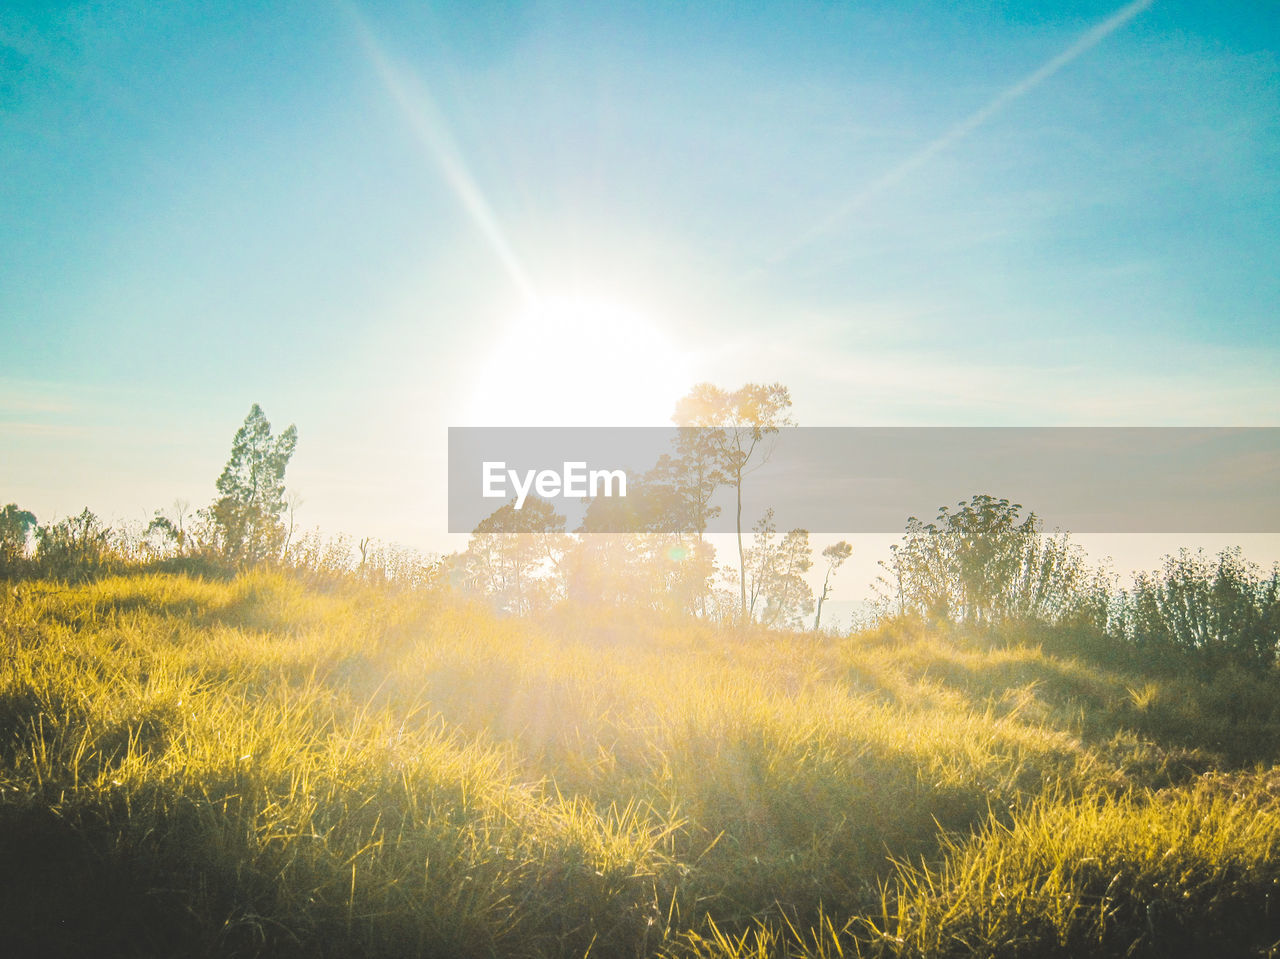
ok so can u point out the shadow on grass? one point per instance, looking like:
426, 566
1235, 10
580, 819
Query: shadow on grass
65, 890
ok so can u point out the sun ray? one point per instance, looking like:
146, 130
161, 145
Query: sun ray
428, 123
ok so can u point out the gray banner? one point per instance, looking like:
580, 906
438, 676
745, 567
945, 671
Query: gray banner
871, 479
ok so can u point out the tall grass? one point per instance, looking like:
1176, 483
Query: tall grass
255, 767
1187, 873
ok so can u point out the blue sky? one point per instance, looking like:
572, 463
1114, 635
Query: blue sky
342, 211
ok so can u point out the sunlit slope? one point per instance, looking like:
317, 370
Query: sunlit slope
261, 768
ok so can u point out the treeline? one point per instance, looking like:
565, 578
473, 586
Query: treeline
982, 563
523, 560
985, 563
251, 523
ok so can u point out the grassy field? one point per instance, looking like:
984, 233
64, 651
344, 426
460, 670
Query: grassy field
261, 768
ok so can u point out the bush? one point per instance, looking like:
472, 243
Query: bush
76, 548
983, 563
1212, 614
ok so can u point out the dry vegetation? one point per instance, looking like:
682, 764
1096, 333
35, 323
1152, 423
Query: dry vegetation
260, 767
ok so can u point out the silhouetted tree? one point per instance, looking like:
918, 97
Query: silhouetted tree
685, 482
1216, 612
247, 515
983, 562
16, 526
788, 596
642, 549
739, 424
73, 548
777, 593
513, 557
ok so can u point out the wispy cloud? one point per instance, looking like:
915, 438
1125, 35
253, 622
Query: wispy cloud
27, 428
30, 409
965, 127
1181, 384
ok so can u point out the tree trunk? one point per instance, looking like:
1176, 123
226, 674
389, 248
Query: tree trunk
742, 557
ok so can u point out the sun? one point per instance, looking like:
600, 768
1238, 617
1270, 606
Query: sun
580, 361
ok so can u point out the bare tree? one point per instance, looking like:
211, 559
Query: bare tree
835, 555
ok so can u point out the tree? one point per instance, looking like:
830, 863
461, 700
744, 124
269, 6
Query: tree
640, 551
835, 555
777, 590
247, 514
513, 557
740, 422
788, 596
15, 529
170, 528
984, 562
688, 480
759, 560
646, 549
293, 502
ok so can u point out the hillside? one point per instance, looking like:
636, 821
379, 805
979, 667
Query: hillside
262, 767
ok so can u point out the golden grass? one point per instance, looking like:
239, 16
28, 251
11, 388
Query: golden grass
258, 768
